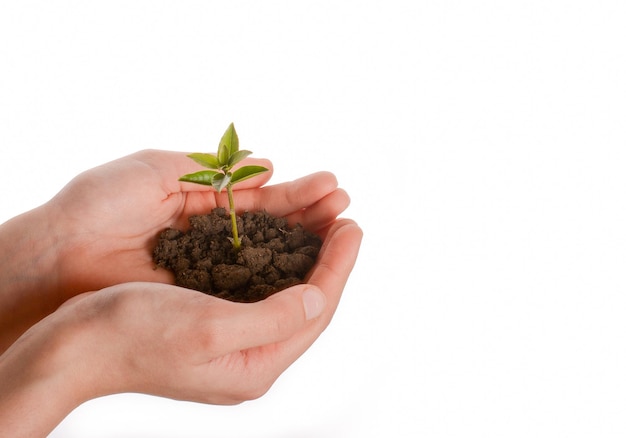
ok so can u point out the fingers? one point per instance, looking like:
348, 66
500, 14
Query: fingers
283, 199
335, 262
322, 213
287, 198
317, 193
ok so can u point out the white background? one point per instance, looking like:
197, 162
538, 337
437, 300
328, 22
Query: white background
483, 145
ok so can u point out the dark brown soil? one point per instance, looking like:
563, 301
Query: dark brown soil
272, 256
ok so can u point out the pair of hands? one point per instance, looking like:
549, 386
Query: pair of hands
138, 332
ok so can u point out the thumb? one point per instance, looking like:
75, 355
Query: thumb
275, 319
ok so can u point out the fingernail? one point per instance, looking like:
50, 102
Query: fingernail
314, 303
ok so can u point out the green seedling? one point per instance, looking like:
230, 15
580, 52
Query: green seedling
221, 175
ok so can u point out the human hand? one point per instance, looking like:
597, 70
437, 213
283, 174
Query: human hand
109, 217
168, 341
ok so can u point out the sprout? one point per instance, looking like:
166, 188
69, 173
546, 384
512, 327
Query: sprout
221, 175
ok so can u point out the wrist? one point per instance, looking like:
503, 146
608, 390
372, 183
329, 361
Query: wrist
28, 277
31, 243
39, 374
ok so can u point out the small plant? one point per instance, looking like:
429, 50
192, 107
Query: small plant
221, 175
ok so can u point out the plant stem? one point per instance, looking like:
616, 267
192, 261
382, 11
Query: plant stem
233, 216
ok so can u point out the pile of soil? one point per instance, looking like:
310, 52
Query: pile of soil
272, 255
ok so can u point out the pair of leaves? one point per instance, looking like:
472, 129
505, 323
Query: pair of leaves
221, 180
221, 164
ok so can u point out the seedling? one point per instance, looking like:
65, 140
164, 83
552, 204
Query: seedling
220, 175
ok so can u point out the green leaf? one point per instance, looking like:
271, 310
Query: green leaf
221, 180
223, 155
229, 144
234, 142
237, 157
204, 177
246, 172
206, 160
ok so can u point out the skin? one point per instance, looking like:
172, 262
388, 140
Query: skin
83, 312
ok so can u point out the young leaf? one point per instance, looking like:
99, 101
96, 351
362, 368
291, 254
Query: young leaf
229, 144
206, 160
237, 157
222, 155
204, 177
220, 181
234, 140
246, 172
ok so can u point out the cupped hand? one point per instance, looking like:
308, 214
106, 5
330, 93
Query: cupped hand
168, 341
181, 344
108, 218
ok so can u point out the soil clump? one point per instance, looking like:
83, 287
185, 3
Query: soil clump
272, 256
